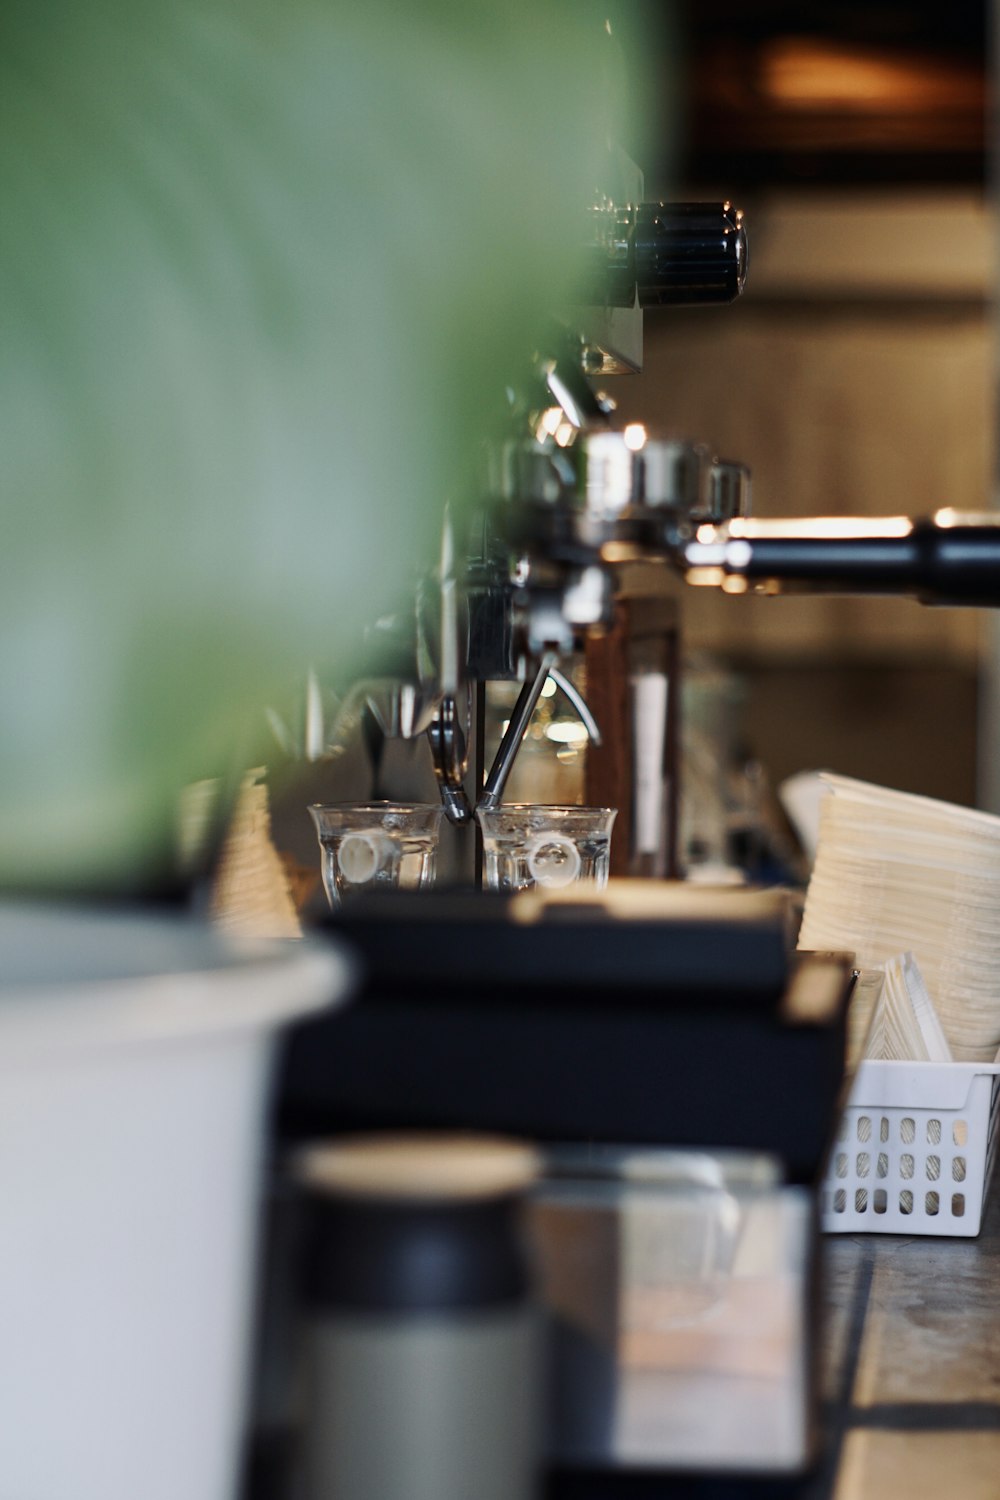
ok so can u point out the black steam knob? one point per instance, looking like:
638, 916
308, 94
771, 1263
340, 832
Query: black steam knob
688, 253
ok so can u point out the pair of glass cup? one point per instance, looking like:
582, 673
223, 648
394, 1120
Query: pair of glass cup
389, 846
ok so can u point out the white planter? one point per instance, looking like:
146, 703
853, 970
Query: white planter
134, 1062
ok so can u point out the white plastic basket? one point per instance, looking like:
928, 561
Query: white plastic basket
915, 1150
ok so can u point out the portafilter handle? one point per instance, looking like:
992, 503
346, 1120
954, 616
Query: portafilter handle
951, 558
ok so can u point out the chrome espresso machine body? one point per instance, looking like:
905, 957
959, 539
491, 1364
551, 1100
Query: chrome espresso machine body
529, 575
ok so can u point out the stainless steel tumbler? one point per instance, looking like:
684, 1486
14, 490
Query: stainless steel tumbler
420, 1378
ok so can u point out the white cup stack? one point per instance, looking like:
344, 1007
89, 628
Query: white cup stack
896, 873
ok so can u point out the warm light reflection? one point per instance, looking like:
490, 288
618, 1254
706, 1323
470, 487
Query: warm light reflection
806, 73
549, 423
565, 434
948, 517
622, 552
548, 688
818, 528
734, 584
566, 732
635, 436
707, 578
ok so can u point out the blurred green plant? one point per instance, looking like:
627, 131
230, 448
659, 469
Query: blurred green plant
263, 271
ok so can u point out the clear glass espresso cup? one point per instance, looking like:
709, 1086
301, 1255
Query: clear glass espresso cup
549, 847
376, 846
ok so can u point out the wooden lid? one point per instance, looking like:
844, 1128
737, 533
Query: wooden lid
418, 1166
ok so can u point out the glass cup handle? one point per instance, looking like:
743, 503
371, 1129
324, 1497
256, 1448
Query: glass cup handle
556, 875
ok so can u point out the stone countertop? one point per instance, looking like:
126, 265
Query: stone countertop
913, 1365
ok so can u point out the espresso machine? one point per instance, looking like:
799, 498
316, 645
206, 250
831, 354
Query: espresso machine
678, 1064
532, 571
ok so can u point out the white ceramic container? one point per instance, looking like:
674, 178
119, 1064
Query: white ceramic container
134, 1062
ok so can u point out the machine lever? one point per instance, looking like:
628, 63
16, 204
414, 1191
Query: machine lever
503, 763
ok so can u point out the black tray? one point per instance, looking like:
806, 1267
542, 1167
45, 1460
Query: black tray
692, 1031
